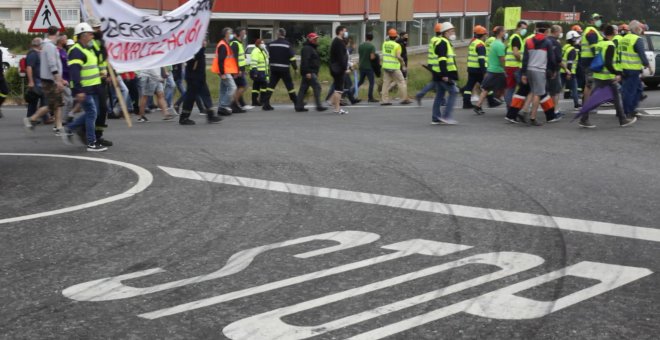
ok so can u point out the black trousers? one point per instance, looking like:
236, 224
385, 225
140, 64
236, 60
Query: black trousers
102, 115
277, 73
305, 84
195, 88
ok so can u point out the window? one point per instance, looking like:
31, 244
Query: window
655, 41
29, 13
5, 13
69, 14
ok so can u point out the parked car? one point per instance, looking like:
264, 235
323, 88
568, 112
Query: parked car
8, 59
652, 45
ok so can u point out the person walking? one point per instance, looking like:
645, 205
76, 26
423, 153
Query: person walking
570, 58
310, 64
537, 60
99, 47
403, 42
226, 66
495, 79
610, 77
196, 87
393, 64
554, 85
86, 85
52, 83
477, 67
281, 57
259, 70
367, 52
34, 96
152, 84
238, 105
339, 66
513, 63
446, 78
431, 64
590, 40
633, 61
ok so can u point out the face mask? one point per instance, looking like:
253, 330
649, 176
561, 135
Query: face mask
231, 37
452, 37
506, 36
561, 35
90, 44
345, 34
262, 46
598, 23
523, 32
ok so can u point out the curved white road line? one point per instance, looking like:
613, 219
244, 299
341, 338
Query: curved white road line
144, 181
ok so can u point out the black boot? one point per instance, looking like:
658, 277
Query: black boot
492, 102
293, 97
265, 99
236, 109
241, 102
467, 101
255, 99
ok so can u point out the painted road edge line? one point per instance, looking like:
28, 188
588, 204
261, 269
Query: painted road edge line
528, 219
144, 181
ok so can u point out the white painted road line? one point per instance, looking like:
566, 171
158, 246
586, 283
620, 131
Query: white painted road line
513, 217
651, 112
144, 180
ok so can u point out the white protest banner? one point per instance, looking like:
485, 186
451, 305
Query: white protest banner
136, 40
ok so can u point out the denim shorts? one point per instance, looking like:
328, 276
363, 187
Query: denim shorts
150, 86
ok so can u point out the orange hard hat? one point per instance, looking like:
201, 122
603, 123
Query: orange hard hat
392, 33
480, 30
438, 27
624, 27
576, 28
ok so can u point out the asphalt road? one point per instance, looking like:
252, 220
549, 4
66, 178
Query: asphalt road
295, 225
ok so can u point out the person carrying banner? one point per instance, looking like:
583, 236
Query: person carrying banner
226, 66
196, 87
282, 56
86, 85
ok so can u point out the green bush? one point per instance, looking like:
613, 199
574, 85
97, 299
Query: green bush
324, 49
15, 84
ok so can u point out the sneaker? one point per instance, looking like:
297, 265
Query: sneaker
176, 109
223, 111
522, 117
586, 125
247, 107
187, 121
435, 122
577, 107
104, 142
57, 132
448, 121
341, 112
385, 104
29, 124
640, 113
607, 104
213, 119
558, 116
321, 108
95, 147
168, 117
418, 100
534, 122
67, 136
495, 103
142, 119
510, 120
301, 109
628, 122
406, 102
356, 101
479, 111
267, 107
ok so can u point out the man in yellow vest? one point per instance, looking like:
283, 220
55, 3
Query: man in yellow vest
590, 39
476, 66
570, 58
610, 77
86, 85
238, 105
432, 64
99, 48
446, 77
633, 62
259, 69
393, 64
513, 60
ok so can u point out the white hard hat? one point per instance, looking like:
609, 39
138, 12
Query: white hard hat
94, 22
572, 35
446, 26
70, 42
82, 28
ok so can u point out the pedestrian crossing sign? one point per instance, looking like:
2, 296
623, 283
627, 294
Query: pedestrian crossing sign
45, 16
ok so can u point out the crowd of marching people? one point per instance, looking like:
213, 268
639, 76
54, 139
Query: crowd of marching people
70, 84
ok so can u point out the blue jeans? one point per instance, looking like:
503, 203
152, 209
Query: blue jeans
427, 88
572, 85
170, 86
227, 90
440, 88
369, 74
631, 91
88, 118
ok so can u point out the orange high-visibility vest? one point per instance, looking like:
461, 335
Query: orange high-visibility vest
230, 64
